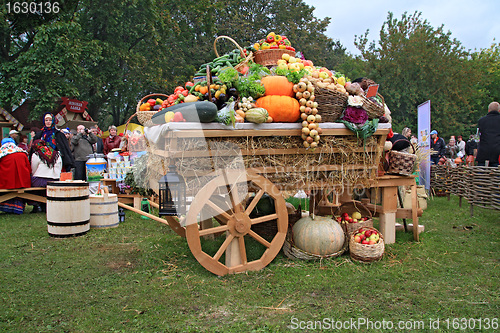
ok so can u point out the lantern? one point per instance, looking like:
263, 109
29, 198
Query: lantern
121, 215
172, 193
145, 207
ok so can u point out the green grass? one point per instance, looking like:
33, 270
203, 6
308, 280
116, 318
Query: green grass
141, 277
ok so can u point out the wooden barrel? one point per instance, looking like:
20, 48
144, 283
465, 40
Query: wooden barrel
68, 208
103, 210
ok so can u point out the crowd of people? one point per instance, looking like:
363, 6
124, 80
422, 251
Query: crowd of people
482, 151
48, 153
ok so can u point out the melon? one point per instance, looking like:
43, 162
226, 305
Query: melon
321, 235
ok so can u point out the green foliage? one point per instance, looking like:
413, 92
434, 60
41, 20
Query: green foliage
293, 76
138, 179
414, 62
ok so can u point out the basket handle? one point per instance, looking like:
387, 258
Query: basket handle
232, 40
148, 96
414, 151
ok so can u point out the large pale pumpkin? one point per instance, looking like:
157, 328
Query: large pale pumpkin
283, 109
277, 85
320, 235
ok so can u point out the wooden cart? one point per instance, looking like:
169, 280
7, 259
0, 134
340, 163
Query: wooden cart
229, 171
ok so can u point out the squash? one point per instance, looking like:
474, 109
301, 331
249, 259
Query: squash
203, 112
283, 109
277, 85
321, 235
257, 115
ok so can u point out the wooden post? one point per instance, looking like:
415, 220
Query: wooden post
414, 214
233, 255
387, 218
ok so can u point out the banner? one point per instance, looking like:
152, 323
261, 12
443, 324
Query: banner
74, 105
424, 142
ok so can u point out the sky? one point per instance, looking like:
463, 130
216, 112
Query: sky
475, 23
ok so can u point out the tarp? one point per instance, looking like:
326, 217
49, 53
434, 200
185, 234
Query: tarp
131, 127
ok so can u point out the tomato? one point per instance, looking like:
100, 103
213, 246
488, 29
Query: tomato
185, 93
188, 85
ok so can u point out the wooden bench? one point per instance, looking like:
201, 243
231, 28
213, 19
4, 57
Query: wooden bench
7, 194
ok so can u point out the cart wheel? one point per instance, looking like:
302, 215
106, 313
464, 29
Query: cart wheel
175, 225
240, 245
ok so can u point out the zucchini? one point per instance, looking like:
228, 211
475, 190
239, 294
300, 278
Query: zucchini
203, 112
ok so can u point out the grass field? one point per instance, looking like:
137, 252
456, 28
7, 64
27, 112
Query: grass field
141, 277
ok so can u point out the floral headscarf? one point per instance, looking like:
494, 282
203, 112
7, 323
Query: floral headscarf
45, 152
9, 147
49, 133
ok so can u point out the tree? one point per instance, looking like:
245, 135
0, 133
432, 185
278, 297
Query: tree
413, 62
33, 61
253, 20
112, 53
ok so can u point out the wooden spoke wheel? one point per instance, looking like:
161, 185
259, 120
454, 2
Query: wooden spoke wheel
175, 224
235, 249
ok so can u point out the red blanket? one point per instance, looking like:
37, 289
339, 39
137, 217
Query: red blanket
15, 171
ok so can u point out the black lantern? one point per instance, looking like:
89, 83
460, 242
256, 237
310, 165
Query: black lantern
172, 190
121, 215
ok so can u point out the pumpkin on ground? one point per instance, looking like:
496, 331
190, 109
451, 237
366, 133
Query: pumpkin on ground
277, 85
283, 109
321, 235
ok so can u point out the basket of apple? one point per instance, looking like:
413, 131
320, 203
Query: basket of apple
352, 215
366, 245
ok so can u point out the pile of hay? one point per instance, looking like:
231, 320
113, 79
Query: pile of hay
342, 160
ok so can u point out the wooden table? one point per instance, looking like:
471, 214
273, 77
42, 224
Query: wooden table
388, 209
23, 193
383, 203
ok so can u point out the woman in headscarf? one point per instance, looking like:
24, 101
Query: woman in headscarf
14, 166
46, 163
14, 173
56, 140
46, 166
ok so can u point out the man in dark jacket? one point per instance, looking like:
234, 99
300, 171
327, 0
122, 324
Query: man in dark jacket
82, 147
471, 150
437, 144
489, 136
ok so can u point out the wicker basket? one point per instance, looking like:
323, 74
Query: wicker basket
269, 229
269, 57
350, 207
366, 253
247, 58
144, 117
293, 252
373, 109
400, 162
331, 104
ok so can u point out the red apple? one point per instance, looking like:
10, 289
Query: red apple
371, 242
365, 242
357, 239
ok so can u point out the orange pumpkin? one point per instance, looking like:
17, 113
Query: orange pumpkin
277, 85
283, 109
